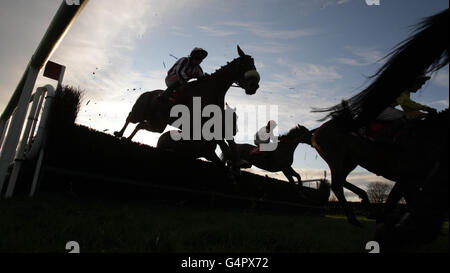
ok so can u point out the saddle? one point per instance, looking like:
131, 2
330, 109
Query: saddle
255, 150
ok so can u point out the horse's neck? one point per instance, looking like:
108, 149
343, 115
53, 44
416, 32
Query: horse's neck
222, 79
287, 146
307, 140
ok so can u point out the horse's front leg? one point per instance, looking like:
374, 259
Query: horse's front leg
218, 162
235, 157
138, 127
290, 174
296, 175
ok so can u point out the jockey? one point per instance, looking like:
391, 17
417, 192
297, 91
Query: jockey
265, 134
411, 109
183, 70
391, 122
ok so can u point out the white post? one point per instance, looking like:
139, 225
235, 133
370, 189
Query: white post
37, 171
12, 138
3, 128
36, 116
40, 138
20, 157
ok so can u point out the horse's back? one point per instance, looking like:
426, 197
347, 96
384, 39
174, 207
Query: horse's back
142, 105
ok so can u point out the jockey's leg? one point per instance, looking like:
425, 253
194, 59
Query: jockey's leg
172, 85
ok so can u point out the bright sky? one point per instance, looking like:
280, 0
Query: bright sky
309, 53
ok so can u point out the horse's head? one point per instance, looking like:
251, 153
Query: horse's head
248, 76
303, 134
297, 134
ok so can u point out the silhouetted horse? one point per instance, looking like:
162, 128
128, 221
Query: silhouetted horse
152, 115
421, 163
281, 158
190, 148
196, 148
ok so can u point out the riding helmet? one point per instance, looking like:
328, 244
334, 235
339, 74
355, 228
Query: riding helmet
199, 53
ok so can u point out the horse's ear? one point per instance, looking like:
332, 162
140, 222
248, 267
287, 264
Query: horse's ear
241, 53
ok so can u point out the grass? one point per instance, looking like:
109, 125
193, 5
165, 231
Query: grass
47, 222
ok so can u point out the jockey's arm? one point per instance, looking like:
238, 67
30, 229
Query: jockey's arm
200, 73
181, 70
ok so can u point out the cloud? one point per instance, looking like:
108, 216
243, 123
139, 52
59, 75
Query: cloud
267, 47
98, 52
350, 61
179, 31
307, 73
441, 103
328, 3
294, 90
361, 56
441, 78
215, 31
264, 31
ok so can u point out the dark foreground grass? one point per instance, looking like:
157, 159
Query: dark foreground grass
47, 222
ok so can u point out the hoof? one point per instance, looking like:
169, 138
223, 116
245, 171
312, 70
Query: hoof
117, 134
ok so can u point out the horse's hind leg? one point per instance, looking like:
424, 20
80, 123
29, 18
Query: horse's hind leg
120, 133
361, 194
290, 173
138, 127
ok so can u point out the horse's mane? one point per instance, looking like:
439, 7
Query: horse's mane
426, 51
218, 71
225, 67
